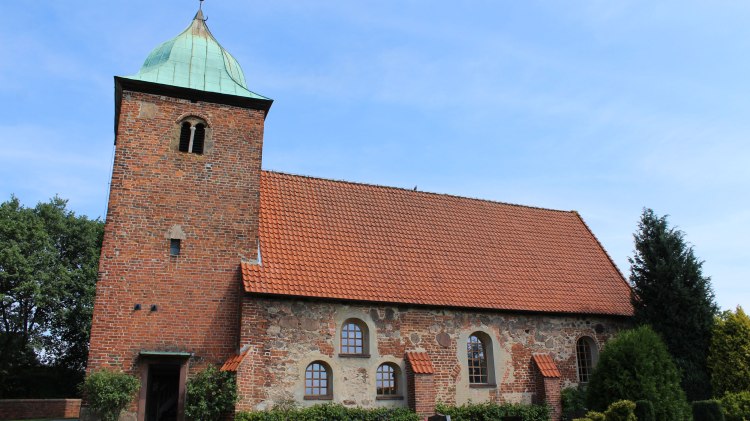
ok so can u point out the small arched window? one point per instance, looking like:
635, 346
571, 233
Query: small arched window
587, 355
192, 135
354, 338
318, 381
476, 349
387, 381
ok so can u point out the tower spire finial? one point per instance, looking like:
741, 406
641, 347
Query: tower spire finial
199, 15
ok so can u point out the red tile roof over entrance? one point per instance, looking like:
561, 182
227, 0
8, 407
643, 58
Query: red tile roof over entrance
546, 365
341, 240
420, 362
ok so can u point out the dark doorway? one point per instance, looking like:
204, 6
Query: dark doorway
163, 392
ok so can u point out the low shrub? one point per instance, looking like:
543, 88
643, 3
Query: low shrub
328, 412
492, 411
592, 416
108, 392
709, 410
644, 410
621, 411
736, 406
573, 402
210, 394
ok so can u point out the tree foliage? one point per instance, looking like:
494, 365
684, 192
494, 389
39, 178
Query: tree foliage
636, 365
729, 358
48, 267
672, 295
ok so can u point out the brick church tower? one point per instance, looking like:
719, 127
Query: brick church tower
182, 216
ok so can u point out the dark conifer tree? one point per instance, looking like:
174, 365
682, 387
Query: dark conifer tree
672, 295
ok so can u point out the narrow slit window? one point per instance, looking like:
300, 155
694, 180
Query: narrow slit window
174, 247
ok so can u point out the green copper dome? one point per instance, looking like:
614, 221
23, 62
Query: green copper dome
195, 60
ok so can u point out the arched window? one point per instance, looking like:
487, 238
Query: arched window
387, 381
587, 355
354, 338
192, 135
476, 349
318, 381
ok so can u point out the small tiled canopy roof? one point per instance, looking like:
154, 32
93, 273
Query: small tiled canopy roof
546, 365
420, 362
233, 363
340, 240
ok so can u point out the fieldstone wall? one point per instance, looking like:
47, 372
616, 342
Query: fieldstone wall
284, 336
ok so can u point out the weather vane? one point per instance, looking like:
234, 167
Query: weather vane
200, 5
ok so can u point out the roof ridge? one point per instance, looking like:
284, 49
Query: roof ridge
381, 186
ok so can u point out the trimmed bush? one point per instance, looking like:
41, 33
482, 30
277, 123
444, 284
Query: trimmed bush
736, 406
491, 411
709, 410
210, 394
328, 412
644, 410
621, 411
573, 402
108, 392
592, 416
635, 365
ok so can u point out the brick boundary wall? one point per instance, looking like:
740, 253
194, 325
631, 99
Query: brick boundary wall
19, 409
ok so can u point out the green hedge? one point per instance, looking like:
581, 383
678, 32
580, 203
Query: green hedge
493, 411
736, 406
709, 410
329, 412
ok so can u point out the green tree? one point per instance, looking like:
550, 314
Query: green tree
636, 365
672, 295
729, 358
48, 267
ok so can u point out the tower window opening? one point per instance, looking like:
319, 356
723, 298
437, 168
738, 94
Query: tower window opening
192, 136
174, 247
185, 135
199, 135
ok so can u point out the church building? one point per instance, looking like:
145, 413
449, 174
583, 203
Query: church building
315, 290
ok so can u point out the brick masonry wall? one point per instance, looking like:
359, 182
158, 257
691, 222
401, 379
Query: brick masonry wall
214, 198
21, 409
285, 335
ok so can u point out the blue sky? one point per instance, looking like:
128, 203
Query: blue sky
602, 107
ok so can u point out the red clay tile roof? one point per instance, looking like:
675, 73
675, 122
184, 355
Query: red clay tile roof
340, 240
233, 363
546, 365
420, 362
